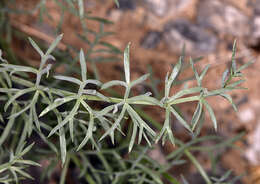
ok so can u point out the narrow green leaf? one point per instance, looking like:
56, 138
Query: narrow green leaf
224, 77
233, 56
36, 47
196, 116
195, 72
7, 78
111, 47
217, 92
20, 112
139, 80
17, 95
127, 63
170, 135
1, 118
113, 83
19, 68
54, 44
181, 120
170, 178
141, 132
1, 57
211, 113
81, 8
203, 73
175, 72
153, 174
95, 93
229, 98
134, 114
70, 116
56, 103
26, 150
69, 79
63, 147
185, 92
169, 81
20, 171
83, 65
28, 162
35, 117
14, 175
132, 141
234, 84
93, 81
245, 66
71, 127
117, 3
105, 126
142, 99
8, 127
116, 124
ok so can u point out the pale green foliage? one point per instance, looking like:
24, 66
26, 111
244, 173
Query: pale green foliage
117, 111
68, 113
16, 165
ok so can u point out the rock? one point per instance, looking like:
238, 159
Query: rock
246, 115
256, 6
158, 7
197, 40
151, 39
223, 18
253, 152
254, 35
162, 8
127, 4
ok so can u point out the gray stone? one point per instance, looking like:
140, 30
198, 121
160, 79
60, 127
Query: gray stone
256, 6
163, 8
197, 40
127, 4
222, 18
158, 7
254, 36
151, 39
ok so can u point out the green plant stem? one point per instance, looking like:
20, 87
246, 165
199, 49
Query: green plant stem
198, 166
96, 98
186, 151
65, 170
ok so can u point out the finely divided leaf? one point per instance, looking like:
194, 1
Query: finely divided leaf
56, 103
196, 116
113, 83
127, 64
181, 120
185, 92
83, 65
17, 95
69, 79
18, 68
68, 118
139, 80
211, 113
54, 44
36, 47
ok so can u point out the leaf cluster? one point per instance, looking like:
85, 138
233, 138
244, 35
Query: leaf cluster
110, 119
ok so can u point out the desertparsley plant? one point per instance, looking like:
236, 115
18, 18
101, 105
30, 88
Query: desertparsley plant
81, 123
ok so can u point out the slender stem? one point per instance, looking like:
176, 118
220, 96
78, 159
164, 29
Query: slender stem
65, 169
198, 166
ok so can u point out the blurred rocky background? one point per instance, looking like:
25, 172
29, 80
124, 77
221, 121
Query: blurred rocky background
158, 29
